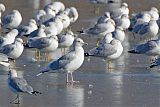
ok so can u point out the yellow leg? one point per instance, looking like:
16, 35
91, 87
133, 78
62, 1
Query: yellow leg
98, 41
39, 55
49, 56
109, 65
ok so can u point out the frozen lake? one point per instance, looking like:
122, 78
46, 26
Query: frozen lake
129, 84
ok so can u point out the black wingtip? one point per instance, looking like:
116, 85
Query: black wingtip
133, 51
36, 92
151, 66
111, 1
86, 54
81, 31
130, 28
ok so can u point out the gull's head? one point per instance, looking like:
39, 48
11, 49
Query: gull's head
152, 44
115, 42
112, 22
2, 7
154, 9
41, 12
69, 32
32, 21
79, 42
124, 5
15, 12
125, 16
14, 32
119, 28
12, 73
54, 37
41, 26
107, 14
19, 40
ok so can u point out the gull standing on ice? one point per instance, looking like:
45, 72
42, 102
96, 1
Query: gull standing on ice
100, 29
69, 62
19, 85
107, 51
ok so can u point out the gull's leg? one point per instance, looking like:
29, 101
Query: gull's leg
49, 56
109, 65
98, 41
39, 55
67, 81
17, 97
72, 79
14, 64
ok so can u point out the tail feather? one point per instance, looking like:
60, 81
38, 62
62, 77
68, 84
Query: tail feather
36, 92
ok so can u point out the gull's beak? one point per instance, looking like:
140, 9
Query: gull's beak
75, 35
85, 43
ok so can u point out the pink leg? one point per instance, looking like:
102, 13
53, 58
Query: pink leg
72, 79
67, 81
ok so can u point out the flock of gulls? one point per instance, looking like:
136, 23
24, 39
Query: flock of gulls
50, 29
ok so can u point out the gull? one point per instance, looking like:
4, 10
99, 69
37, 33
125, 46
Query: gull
14, 50
119, 33
26, 30
47, 44
149, 30
69, 62
150, 48
107, 51
144, 16
66, 39
19, 85
139, 21
2, 9
123, 21
153, 13
8, 38
12, 20
100, 29
73, 14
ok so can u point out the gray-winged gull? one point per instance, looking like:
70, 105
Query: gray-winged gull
69, 62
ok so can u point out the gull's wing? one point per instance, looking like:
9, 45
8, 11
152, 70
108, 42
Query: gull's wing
20, 85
